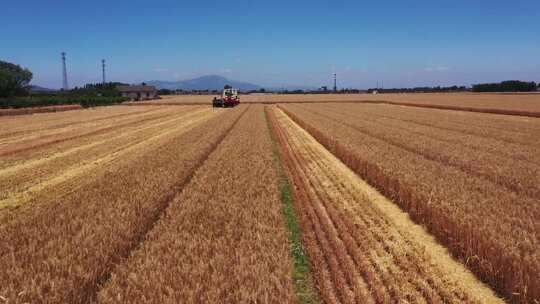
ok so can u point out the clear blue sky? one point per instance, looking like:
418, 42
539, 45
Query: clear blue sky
275, 43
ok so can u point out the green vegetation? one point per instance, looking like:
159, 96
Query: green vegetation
90, 95
303, 284
302, 279
505, 86
425, 89
14, 80
15, 91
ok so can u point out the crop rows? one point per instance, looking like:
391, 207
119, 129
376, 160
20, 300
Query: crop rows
25, 139
23, 111
364, 249
509, 104
11, 145
465, 129
164, 204
65, 242
526, 104
484, 158
43, 121
22, 180
222, 239
487, 218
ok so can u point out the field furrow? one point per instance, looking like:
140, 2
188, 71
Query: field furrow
222, 239
448, 200
384, 256
64, 243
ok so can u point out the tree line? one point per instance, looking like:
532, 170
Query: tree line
15, 91
506, 86
437, 89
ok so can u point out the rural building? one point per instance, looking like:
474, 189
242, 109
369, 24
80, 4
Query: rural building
138, 92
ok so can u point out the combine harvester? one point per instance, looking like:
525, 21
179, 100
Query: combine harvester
229, 98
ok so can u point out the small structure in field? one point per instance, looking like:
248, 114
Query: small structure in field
138, 92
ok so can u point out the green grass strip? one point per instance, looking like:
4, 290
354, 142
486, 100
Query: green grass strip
302, 279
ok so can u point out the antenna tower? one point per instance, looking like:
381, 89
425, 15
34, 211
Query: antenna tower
103, 69
64, 73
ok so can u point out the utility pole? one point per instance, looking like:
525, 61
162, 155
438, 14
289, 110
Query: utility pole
103, 70
335, 82
64, 73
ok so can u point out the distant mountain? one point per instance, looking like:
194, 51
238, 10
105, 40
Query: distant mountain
210, 82
35, 88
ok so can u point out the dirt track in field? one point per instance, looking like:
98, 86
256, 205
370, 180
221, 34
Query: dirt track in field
363, 248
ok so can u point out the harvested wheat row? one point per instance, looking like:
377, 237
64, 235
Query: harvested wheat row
516, 175
20, 142
509, 129
382, 257
18, 147
494, 231
24, 176
223, 239
60, 246
34, 124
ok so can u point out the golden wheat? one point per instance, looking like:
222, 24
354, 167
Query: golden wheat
491, 228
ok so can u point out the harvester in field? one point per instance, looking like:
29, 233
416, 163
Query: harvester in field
229, 98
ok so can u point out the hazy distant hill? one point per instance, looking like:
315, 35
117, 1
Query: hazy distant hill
211, 82
35, 88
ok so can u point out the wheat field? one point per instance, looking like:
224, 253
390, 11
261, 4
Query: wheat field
527, 104
283, 199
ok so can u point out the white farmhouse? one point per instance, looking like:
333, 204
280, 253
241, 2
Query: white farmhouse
138, 92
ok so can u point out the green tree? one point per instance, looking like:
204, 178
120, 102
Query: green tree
505, 86
14, 80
